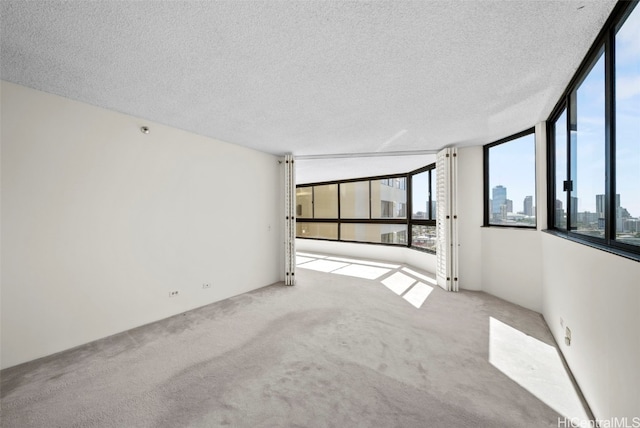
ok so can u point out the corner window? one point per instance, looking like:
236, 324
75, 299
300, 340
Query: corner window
374, 210
510, 181
594, 135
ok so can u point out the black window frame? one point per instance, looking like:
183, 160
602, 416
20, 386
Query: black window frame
605, 41
390, 179
486, 191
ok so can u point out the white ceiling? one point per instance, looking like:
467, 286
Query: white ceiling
309, 77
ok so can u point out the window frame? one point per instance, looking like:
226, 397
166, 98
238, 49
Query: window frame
486, 190
391, 180
604, 43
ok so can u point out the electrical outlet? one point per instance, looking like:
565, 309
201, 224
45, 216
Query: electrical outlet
174, 293
206, 285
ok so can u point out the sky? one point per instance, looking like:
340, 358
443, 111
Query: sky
512, 165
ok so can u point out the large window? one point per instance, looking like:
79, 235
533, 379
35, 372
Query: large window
375, 210
594, 138
510, 181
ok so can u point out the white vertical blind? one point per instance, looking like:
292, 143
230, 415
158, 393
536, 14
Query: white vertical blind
290, 221
446, 220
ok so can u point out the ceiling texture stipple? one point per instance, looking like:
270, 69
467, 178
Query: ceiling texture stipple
312, 77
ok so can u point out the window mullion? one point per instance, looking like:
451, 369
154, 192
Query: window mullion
610, 182
409, 208
339, 214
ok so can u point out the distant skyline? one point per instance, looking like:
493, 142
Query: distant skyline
512, 165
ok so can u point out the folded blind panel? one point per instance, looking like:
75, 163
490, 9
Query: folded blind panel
290, 220
447, 220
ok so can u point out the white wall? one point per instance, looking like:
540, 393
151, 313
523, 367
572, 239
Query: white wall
100, 222
511, 266
504, 262
597, 295
470, 202
419, 259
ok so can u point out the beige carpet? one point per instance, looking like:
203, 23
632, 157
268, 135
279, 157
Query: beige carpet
333, 351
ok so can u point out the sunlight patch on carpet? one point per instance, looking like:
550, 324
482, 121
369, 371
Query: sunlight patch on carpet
361, 271
300, 259
398, 282
535, 366
418, 294
323, 265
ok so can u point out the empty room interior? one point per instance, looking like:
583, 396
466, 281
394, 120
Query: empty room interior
320, 213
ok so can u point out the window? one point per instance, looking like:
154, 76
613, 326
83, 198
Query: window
420, 195
354, 200
304, 202
627, 130
423, 209
317, 230
588, 152
325, 201
388, 201
559, 203
369, 210
374, 233
423, 237
594, 136
510, 181
317, 201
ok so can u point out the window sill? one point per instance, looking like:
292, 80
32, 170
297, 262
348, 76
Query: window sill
501, 226
384, 244
606, 248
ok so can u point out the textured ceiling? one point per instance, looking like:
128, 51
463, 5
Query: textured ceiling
312, 77
318, 170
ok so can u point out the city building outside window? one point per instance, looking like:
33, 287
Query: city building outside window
510, 181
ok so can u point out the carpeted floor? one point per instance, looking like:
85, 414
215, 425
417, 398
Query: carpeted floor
333, 351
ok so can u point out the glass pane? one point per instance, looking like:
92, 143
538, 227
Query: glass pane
304, 197
627, 81
561, 170
423, 237
512, 182
420, 195
325, 201
317, 230
376, 233
588, 153
389, 201
434, 194
354, 200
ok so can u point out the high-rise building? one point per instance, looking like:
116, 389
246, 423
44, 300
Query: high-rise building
509, 204
498, 199
600, 210
528, 205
